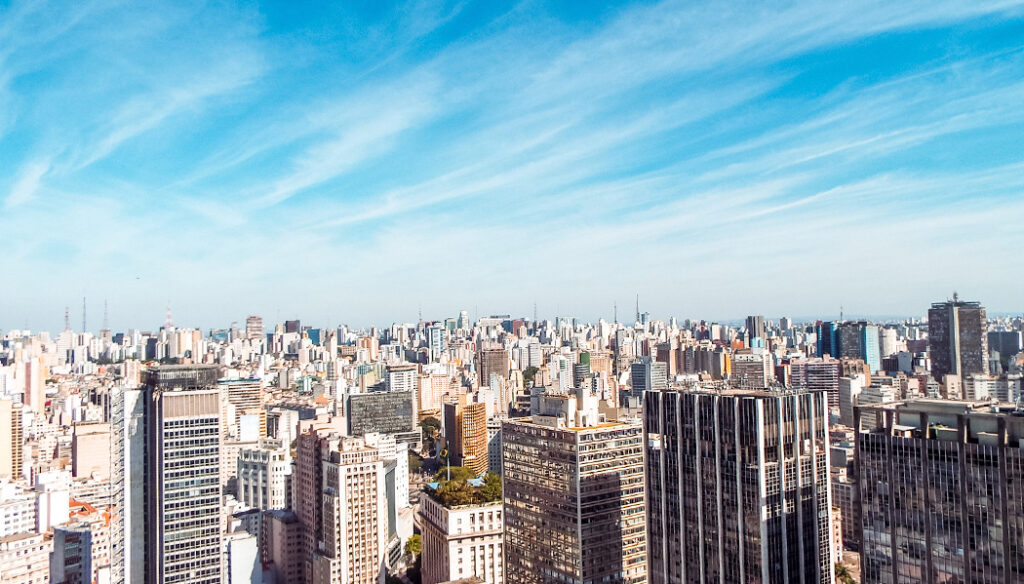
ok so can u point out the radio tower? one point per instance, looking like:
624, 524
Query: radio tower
638, 307
168, 324
106, 323
83, 315
67, 318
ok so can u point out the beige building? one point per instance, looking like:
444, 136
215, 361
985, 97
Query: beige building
90, 450
25, 558
11, 439
461, 542
465, 427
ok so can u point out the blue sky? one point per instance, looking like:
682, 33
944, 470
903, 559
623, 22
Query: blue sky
355, 162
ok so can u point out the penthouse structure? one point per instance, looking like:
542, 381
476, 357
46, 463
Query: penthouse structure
738, 486
941, 485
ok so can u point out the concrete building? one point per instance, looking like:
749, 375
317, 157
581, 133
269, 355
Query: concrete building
574, 495
281, 545
183, 499
264, 475
461, 541
241, 558
128, 486
819, 374
465, 427
752, 368
71, 558
385, 412
941, 486
90, 450
738, 487
957, 338
11, 439
25, 558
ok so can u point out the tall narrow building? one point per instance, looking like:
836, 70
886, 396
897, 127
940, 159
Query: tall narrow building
573, 496
183, 498
465, 427
941, 485
956, 338
738, 487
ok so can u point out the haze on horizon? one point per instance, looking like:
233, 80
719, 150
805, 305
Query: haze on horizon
361, 163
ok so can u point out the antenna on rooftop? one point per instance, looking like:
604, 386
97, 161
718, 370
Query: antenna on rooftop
105, 321
67, 318
638, 307
615, 312
169, 323
83, 314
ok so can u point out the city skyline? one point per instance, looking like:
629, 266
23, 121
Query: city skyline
377, 161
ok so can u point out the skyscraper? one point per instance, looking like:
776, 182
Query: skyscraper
755, 329
819, 373
956, 338
738, 486
254, 327
183, 498
465, 427
573, 496
941, 485
11, 439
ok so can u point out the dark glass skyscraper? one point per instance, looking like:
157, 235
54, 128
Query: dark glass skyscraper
738, 487
956, 338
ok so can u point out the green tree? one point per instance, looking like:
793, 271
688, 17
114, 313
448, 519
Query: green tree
456, 492
459, 473
430, 425
414, 545
415, 463
491, 491
843, 575
528, 374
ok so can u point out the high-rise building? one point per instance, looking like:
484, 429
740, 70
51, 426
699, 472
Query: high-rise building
240, 397
817, 373
183, 459
11, 439
738, 485
956, 338
24, 558
755, 329
461, 541
647, 374
494, 361
752, 368
128, 467
281, 545
386, 412
352, 534
465, 427
574, 496
941, 486
859, 340
254, 327
71, 558
264, 475
826, 334
402, 378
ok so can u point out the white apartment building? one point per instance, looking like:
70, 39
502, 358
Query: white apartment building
461, 542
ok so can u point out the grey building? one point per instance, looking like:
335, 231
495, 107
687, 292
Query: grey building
71, 558
941, 485
386, 412
646, 374
956, 338
738, 486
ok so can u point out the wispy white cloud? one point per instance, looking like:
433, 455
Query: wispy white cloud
27, 184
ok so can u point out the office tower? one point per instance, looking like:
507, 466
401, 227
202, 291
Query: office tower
859, 340
254, 327
739, 486
942, 493
956, 338
281, 545
849, 389
352, 533
826, 334
11, 439
574, 495
817, 373
386, 412
1006, 343
183, 458
71, 558
752, 368
436, 341
402, 378
494, 361
25, 558
465, 427
755, 329
647, 374
460, 540
293, 326
240, 397
264, 475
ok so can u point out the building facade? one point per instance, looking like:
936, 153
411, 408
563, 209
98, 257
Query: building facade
941, 486
738, 485
957, 338
461, 541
